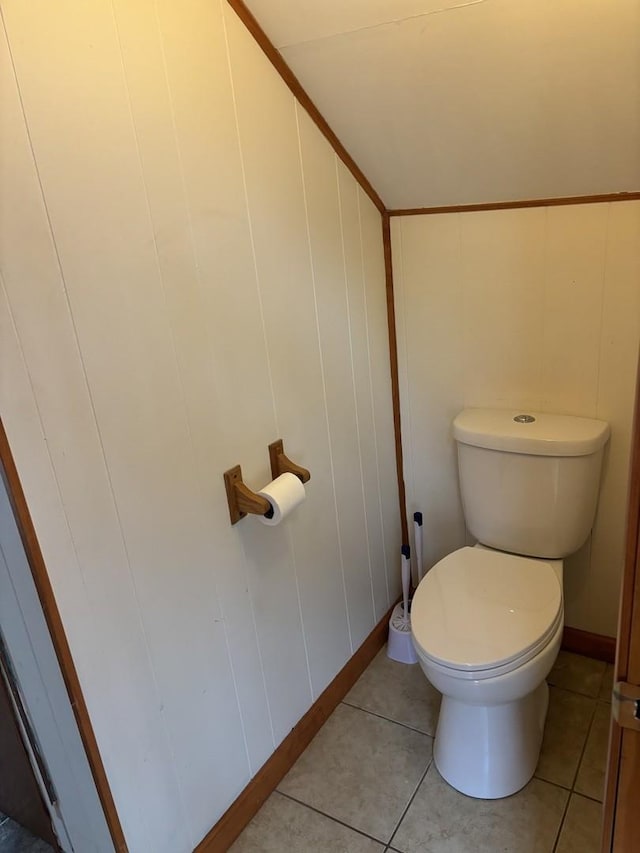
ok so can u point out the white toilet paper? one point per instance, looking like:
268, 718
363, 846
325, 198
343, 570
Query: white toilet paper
284, 494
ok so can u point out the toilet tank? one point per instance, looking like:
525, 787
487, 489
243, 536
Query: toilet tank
529, 482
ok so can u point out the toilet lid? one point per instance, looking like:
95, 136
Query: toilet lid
478, 609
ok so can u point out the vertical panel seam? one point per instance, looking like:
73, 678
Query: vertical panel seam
197, 468
463, 313
161, 284
355, 396
55, 480
373, 408
93, 410
605, 263
403, 309
324, 384
545, 300
262, 320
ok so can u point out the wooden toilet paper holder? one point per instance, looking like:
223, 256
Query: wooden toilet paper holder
281, 464
242, 500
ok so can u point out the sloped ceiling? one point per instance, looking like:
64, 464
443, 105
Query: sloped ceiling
442, 102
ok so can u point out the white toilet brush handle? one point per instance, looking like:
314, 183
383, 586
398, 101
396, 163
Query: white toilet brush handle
417, 522
406, 580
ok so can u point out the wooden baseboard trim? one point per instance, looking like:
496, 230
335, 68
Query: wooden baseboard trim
240, 812
510, 205
591, 645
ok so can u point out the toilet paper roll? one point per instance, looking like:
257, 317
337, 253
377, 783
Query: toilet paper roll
284, 494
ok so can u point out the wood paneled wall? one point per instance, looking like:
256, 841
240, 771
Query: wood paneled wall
188, 273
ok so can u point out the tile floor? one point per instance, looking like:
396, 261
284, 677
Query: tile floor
15, 839
367, 784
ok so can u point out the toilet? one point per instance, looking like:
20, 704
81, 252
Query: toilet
487, 620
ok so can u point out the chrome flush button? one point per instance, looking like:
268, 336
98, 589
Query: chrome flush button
524, 419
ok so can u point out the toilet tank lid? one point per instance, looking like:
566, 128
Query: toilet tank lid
536, 433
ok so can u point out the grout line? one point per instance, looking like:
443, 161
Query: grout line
604, 672
587, 797
584, 746
411, 799
561, 827
388, 719
330, 817
574, 692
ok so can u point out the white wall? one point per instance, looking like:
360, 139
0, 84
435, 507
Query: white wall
535, 309
446, 102
188, 273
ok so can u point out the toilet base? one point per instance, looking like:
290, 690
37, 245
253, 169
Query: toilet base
490, 751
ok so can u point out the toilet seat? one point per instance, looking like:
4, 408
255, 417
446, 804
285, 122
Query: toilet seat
479, 613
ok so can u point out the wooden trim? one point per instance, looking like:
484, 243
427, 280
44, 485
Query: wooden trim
275, 57
509, 205
395, 381
591, 645
630, 583
628, 661
59, 639
240, 812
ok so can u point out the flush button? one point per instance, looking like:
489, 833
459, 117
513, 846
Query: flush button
524, 419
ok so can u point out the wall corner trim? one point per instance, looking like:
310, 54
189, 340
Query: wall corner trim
395, 381
511, 205
275, 57
240, 812
59, 640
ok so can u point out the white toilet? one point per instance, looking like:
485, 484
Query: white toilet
487, 621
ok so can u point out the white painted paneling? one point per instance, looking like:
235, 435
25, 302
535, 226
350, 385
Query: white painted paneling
502, 268
48, 416
182, 284
449, 103
78, 815
216, 302
574, 282
620, 332
377, 336
176, 299
323, 217
267, 122
354, 268
149, 453
535, 308
430, 312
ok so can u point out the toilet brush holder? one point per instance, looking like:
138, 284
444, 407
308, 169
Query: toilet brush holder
400, 645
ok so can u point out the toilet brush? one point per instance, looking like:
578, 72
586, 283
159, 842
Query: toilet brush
417, 549
400, 645
405, 570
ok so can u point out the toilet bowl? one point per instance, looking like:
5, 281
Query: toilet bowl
487, 621
487, 628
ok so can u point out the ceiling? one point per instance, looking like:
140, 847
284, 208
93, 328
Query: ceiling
449, 102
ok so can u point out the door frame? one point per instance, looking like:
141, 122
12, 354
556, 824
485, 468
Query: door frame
623, 763
61, 648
